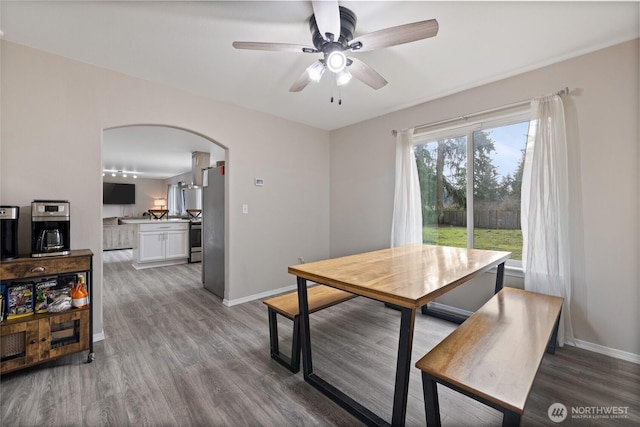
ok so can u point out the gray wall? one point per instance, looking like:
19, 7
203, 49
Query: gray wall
54, 111
603, 110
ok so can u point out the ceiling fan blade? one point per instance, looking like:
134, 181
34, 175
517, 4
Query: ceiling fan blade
397, 35
366, 74
327, 14
305, 78
274, 47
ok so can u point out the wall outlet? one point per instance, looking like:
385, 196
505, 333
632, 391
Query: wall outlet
301, 260
245, 209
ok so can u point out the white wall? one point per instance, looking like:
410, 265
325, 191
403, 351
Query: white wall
603, 108
54, 111
147, 190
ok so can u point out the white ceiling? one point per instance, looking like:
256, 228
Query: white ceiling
154, 152
188, 45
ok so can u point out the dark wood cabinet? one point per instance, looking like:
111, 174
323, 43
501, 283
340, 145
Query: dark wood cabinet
38, 338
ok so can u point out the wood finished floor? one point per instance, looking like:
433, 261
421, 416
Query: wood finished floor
175, 356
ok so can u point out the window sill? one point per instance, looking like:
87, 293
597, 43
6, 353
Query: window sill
510, 270
514, 271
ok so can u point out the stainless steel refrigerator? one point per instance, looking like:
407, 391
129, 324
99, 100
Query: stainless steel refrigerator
213, 231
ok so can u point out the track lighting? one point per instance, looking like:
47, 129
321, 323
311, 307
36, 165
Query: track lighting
123, 173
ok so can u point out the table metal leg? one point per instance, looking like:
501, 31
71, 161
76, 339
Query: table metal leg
303, 306
402, 370
459, 318
499, 277
551, 346
403, 366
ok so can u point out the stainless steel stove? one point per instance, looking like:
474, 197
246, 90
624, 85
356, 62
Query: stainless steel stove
195, 235
195, 240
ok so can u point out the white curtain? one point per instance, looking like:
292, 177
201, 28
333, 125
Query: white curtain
407, 211
545, 208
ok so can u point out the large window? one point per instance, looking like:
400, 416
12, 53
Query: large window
470, 178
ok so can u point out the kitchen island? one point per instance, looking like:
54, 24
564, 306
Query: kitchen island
160, 242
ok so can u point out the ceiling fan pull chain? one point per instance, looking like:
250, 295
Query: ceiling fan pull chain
333, 88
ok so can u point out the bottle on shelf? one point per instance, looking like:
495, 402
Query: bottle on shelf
79, 294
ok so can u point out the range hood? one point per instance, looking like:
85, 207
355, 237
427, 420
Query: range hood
199, 161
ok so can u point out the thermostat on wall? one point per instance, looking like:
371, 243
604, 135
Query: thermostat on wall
259, 182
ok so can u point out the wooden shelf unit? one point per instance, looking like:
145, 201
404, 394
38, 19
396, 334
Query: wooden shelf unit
38, 338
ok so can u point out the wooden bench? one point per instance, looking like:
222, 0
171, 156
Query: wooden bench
494, 355
318, 298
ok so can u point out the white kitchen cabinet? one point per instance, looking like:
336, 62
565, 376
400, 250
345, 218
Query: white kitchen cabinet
151, 246
159, 243
177, 244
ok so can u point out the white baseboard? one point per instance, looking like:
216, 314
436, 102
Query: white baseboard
450, 309
261, 295
98, 336
607, 351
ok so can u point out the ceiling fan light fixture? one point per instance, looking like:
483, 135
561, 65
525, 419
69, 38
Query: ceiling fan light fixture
343, 77
336, 61
316, 71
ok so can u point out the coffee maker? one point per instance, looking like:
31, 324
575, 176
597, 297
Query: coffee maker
50, 228
9, 231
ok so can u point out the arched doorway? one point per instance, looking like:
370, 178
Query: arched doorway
156, 159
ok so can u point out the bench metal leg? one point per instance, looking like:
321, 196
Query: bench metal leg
295, 345
273, 332
431, 404
432, 407
291, 363
510, 419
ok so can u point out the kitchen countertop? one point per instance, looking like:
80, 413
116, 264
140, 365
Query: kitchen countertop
153, 221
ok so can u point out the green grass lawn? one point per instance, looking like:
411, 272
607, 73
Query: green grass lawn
500, 240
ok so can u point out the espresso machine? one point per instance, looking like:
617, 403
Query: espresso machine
50, 228
9, 231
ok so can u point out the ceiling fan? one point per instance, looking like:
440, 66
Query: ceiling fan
332, 29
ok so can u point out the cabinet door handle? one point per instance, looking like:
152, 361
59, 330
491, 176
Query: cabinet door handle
38, 269
43, 339
33, 341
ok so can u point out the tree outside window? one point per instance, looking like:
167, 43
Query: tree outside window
491, 160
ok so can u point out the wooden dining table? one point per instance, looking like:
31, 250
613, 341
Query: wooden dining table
405, 278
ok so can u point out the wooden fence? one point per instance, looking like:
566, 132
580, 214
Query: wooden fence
500, 219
